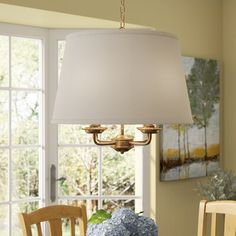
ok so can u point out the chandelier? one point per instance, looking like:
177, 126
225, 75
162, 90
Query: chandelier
122, 76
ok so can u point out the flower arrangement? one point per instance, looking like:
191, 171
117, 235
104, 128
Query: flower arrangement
123, 222
220, 185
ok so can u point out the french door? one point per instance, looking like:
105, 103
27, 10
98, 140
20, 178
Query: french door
31, 147
22, 121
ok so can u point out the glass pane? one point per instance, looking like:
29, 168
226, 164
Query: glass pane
61, 50
4, 220
80, 167
26, 62
4, 61
4, 117
118, 172
4, 160
25, 117
112, 205
25, 172
73, 134
18, 208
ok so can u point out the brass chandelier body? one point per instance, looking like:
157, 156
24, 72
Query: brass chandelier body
122, 142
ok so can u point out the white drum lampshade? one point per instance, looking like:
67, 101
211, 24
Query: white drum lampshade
122, 77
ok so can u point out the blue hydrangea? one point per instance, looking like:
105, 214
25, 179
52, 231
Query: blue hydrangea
128, 218
108, 228
124, 222
146, 226
112, 229
93, 229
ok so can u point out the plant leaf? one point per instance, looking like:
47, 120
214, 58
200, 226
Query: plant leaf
99, 217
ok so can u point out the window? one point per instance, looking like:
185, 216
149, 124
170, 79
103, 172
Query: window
30, 144
21, 128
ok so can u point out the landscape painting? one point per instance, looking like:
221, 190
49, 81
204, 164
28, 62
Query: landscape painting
191, 151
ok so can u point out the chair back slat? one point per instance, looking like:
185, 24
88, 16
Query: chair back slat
213, 224
226, 208
54, 215
39, 229
55, 227
72, 226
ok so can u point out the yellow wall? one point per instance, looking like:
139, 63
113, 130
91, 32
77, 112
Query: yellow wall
229, 58
198, 25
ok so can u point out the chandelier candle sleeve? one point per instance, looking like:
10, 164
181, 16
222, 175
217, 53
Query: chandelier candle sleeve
131, 76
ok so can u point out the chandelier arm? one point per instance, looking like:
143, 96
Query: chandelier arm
101, 142
144, 142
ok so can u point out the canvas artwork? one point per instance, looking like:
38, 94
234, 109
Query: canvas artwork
190, 151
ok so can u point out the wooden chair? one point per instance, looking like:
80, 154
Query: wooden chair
54, 215
227, 208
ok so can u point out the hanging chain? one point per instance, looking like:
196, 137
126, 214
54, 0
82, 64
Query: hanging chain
122, 14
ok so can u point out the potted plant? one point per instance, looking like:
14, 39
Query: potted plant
220, 185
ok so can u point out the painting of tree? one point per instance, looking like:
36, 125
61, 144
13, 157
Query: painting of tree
192, 150
203, 87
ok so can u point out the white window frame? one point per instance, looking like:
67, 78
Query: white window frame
11, 30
